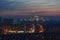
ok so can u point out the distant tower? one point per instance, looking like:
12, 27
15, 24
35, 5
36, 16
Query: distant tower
36, 18
24, 24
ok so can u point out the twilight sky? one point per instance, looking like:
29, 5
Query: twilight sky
29, 7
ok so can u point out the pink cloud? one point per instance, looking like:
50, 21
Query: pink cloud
18, 13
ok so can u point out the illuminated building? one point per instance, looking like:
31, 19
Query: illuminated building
5, 31
41, 29
36, 18
38, 28
20, 31
12, 31
32, 29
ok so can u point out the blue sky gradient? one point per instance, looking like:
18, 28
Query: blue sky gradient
29, 7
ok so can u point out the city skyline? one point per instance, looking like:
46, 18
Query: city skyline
29, 7
29, 19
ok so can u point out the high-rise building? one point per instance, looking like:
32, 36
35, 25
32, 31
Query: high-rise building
32, 29
36, 18
41, 29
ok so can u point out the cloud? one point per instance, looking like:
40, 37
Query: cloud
12, 5
21, 13
28, 7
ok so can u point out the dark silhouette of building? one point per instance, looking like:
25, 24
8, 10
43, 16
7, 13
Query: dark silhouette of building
36, 28
0, 21
7, 21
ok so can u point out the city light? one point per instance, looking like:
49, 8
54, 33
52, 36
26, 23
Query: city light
5, 31
20, 31
41, 29
29, 19
11, 31
32, 29
37, 18
16, 30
